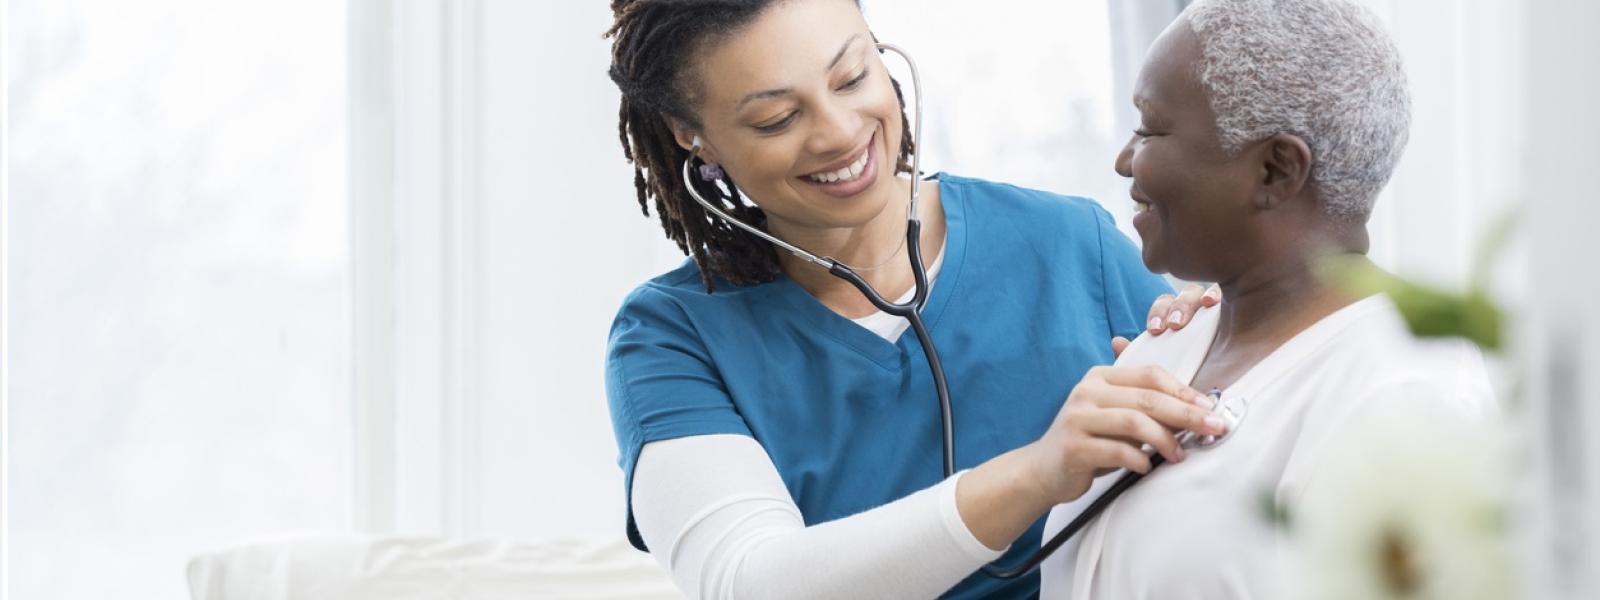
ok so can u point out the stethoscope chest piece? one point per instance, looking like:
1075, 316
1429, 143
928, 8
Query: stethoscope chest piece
1231, 410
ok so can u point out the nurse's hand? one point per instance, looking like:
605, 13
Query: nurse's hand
1108, 417
1173, 312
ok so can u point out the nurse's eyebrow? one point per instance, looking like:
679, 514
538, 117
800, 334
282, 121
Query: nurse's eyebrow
842, 49
764, 94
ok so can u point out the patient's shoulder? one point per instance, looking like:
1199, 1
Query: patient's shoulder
1173, 350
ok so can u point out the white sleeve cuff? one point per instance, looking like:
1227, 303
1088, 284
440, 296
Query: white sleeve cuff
957, 528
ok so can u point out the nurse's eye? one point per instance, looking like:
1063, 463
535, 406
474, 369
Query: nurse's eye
854, 81
776, 126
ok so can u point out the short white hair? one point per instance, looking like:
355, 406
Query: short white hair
1324, 70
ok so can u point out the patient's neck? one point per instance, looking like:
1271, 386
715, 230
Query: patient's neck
1273, 305
1261, 310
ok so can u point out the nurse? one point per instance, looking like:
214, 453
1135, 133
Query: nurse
1273, 125
779, 437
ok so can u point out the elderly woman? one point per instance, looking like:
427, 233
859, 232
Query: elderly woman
1268, 127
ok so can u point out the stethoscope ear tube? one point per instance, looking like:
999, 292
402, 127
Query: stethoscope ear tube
916, 128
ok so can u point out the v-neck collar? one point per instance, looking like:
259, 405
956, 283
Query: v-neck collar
867, 343
1285, 357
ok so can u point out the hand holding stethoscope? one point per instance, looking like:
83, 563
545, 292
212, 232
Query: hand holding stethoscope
1113, 419
1109, 418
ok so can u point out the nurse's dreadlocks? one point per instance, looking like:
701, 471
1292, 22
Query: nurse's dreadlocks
653, 42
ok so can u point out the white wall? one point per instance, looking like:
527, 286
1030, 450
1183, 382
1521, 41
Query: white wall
564, 242
1460, 172
513, 238
1017, 91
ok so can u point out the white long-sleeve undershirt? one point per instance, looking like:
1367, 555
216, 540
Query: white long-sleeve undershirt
715, 513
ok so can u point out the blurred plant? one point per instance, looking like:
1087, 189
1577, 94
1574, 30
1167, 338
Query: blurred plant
1413, 507
1432, 312
1408, 516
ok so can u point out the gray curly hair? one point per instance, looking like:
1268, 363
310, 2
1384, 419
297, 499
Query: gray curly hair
1323, 70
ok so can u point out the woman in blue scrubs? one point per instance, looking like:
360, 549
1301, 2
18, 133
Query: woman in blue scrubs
779, 437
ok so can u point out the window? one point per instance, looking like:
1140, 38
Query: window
178, 312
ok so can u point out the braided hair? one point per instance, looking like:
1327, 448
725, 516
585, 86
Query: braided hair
653, 42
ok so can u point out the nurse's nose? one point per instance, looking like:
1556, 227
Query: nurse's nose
834, 130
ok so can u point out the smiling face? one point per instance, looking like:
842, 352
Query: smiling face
1196, 204
798, 110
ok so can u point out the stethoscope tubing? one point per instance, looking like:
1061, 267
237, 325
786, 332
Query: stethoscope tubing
912, 313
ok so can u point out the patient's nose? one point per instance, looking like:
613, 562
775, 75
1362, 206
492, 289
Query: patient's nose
1124, 164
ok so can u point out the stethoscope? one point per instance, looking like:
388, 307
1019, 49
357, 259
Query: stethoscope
911, 311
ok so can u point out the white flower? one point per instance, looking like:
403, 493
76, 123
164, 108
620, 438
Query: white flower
1408, 506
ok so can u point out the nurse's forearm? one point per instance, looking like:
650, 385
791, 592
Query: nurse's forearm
715, 512
999, 500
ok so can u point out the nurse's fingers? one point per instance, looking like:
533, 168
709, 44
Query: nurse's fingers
1181, 309
1152, 378
1156, 322
1149, 390
1129, 425
1166, 410
1108, 454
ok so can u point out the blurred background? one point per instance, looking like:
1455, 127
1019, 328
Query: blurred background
349, 266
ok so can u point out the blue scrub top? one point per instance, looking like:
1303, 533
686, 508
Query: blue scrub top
1032, 289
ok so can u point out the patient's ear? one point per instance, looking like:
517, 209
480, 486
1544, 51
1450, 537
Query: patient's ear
1285, 162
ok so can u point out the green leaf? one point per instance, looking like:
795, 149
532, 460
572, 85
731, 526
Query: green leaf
1429, 312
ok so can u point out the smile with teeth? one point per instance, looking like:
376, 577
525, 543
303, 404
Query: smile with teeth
1140, 207
848, 173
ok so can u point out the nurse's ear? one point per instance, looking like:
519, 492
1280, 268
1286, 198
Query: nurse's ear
690, 140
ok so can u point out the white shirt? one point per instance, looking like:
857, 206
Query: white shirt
1197, 529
